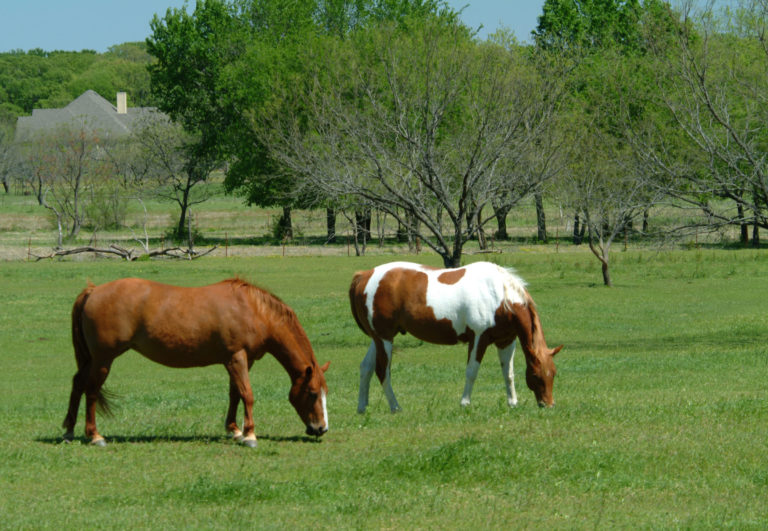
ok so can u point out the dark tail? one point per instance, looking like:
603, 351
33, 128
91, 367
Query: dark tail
82, 354
355, 292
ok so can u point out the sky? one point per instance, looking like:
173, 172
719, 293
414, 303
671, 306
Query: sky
75, 25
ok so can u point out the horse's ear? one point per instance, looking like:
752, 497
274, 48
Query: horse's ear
325, 367
556, 350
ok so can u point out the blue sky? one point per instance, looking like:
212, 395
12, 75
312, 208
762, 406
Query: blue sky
98, 24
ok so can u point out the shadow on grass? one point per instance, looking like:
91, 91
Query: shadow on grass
225, 439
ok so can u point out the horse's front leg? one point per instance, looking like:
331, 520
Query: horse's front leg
231, 420
505, 357
238, 367
476, 352
378, 359
384, 359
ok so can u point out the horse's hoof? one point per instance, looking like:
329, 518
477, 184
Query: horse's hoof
237, 438
250, 443
99, 442
68, 437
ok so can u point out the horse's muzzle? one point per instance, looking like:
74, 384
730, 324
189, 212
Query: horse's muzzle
317, 432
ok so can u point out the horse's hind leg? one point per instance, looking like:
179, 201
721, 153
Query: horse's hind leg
473, 366
78, 388
506, 355
94, 399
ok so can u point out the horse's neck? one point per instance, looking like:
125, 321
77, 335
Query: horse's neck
528, 328
291, 347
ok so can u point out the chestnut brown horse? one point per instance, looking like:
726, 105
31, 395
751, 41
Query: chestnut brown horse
481, 304
232, 323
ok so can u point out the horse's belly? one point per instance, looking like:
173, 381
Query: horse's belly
438, 332
176, 352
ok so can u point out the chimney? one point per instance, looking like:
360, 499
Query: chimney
122, 103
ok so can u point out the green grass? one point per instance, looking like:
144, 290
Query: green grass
661, 417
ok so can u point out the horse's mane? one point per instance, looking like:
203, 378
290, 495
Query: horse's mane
514, 288
263, 297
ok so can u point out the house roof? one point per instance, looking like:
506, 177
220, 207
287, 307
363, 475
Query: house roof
89, 110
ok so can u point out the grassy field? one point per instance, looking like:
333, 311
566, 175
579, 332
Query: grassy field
661, 418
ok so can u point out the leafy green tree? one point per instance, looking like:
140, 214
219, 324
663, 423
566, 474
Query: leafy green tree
39, 79
418, 120
611, 91
715, 90
192, 52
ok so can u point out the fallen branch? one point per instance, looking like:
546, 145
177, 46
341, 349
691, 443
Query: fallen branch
127, 254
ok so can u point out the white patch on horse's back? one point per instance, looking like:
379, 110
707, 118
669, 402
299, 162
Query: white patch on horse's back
471, 302
373, 283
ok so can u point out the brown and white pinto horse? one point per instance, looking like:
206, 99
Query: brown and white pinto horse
481, 304
231, 323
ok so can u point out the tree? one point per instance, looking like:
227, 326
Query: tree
69, 166
607, 183
7, 154
192, 51
423, 123
714, 90
162, 164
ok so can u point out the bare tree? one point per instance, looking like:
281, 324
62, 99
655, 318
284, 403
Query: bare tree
166, 163
425, 125
66, 164
715, 91
8, 158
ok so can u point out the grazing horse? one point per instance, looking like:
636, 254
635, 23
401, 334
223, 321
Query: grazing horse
481, 304
232, 323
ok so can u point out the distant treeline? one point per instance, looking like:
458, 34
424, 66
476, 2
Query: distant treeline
41, 79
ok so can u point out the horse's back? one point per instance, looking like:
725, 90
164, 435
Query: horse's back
173, 325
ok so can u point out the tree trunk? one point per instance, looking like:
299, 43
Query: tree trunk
500, 212
412, 233
646, 214
756, 234
541, 220
330, 223
180, 232
606, 274
744, 227
363, 226
482, 241
285, 224
578, 230
601, 251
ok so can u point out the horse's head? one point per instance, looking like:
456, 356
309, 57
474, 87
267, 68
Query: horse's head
540, 375
308, 395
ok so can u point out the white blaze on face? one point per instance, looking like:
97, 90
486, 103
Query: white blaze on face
325, 409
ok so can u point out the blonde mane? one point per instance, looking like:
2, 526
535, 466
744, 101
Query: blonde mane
514, 288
